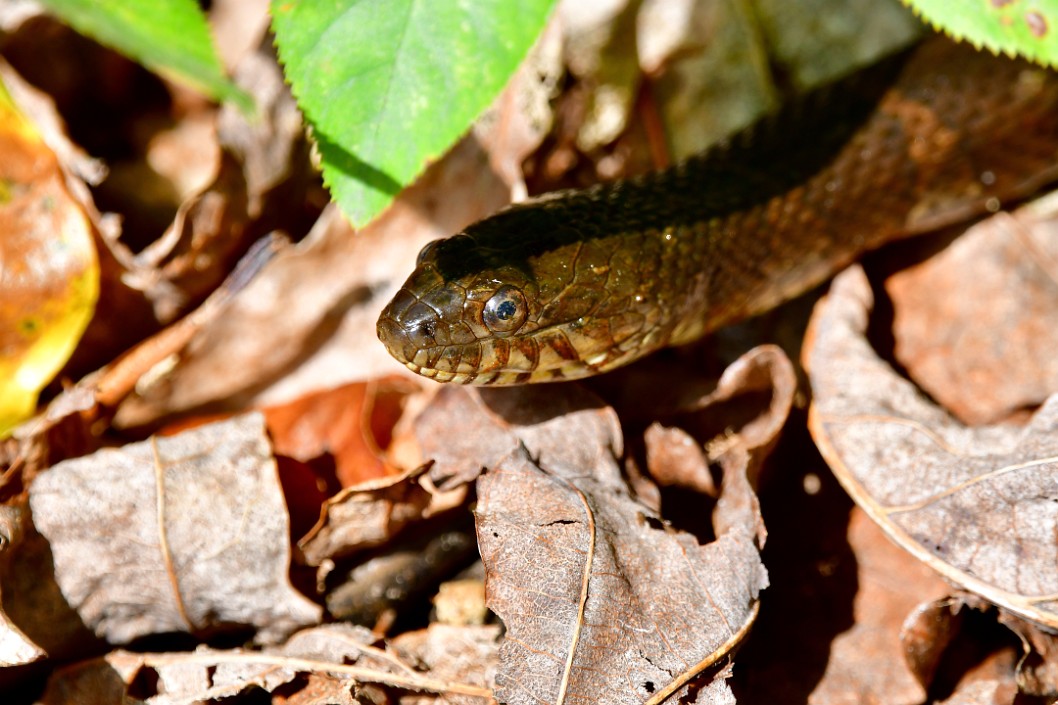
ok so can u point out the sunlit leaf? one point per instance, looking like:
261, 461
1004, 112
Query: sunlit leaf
170, 37
389, 85
1027, 28
49, 276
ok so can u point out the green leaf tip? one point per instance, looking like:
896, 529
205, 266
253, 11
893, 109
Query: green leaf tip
1025, 28
169, 37
389, 85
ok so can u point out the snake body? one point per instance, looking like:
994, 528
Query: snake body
575, 283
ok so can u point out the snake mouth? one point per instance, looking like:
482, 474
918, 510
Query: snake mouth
423, 364
503, 377
485, 361
439, 375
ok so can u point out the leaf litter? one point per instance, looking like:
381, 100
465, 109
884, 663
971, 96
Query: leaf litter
618, 522
978, 504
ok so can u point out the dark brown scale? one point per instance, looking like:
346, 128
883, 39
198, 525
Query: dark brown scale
909, 145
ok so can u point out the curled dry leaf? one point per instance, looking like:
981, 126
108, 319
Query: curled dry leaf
1037, 667
240, 178
352, 423
330, 660
979, 505
926, 633
746, 410
948, 631
370, 513
602, 600
181, 534
15, 647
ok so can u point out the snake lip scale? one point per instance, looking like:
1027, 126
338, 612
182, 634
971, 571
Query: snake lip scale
574, 283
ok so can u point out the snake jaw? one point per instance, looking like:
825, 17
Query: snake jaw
502, 326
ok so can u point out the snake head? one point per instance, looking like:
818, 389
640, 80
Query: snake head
502, 304
457, 313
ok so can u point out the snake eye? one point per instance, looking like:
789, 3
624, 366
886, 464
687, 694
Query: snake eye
506, 310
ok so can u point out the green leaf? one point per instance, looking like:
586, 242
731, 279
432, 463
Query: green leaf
1028, 28
390, 84
170, 37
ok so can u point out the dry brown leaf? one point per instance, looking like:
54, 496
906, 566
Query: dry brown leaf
954, 631
15, 647
181, 534
974, 324
979, 505
1037, 669
458, 654
866, 662
601, 599
371, 513
352, 423
734, 414
334, 657
926, 633
247, 173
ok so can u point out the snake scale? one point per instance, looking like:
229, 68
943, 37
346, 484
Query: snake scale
574, 283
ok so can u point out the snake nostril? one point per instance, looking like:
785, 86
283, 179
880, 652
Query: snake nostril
425, 329
420, 326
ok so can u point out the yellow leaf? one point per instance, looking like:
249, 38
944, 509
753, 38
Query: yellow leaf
49, 275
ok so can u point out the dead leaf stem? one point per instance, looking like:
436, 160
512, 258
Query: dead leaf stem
365, 675
585, 580
910, 423
163, 536
923, 503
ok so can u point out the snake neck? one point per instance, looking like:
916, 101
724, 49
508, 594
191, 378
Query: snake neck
606, 275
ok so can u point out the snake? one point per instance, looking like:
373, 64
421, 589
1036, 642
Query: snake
579, 282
